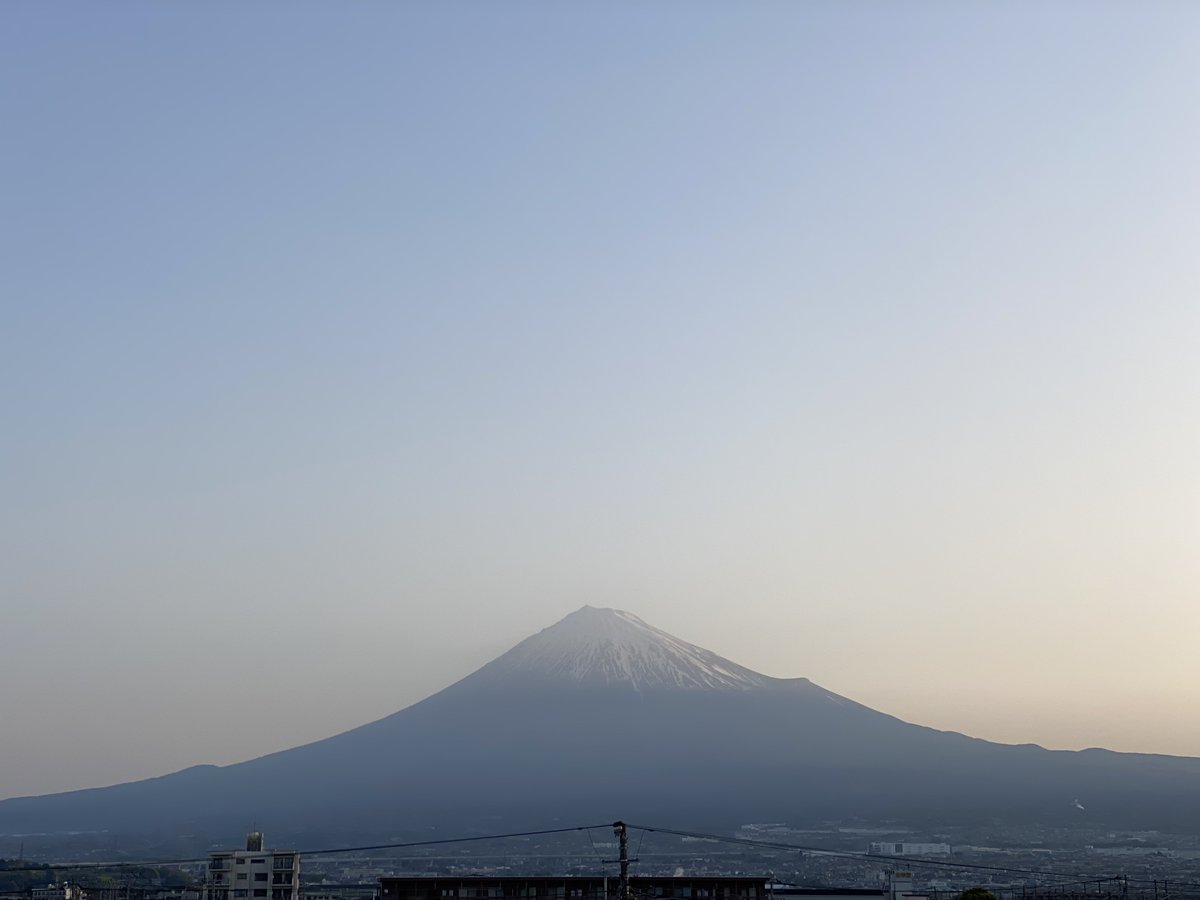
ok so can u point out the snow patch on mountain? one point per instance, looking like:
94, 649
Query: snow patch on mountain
609, 646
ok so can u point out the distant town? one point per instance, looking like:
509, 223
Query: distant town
758, 861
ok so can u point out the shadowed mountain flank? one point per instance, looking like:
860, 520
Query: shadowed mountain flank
602, 716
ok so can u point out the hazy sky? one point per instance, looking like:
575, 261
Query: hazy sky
344, 345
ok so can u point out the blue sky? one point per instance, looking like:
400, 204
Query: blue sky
345, 346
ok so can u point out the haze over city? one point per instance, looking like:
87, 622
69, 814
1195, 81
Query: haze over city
346, 347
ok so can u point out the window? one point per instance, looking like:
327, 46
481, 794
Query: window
260, 876
241, 862
258, 861
241, 893
260, 892
283, 862
241, 876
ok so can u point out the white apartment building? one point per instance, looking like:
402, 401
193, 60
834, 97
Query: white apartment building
906, 848
253, 873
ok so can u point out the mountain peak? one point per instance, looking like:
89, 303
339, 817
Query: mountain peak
603, 646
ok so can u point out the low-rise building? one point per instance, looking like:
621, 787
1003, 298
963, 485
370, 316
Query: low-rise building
585, 887
899, 887
64, 891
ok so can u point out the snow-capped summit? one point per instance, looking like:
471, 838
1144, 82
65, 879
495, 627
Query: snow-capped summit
610, 646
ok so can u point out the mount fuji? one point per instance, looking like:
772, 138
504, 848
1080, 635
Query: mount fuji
601, 717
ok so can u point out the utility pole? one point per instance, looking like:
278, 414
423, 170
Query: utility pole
622, 834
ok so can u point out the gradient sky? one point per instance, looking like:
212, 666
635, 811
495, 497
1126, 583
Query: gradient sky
345, 345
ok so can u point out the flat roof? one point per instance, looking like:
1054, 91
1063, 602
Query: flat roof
758, 879
829, 892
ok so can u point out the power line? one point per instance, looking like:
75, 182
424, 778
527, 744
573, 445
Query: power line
459, 840
595, 852
326, 851
909, 861
1170, 881
637, 854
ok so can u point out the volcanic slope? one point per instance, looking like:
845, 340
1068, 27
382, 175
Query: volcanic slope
602, 716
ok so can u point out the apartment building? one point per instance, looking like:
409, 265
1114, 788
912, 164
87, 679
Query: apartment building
253, 873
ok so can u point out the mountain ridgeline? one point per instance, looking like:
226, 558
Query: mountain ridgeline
602, 716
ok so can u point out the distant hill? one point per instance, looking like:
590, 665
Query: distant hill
602, 716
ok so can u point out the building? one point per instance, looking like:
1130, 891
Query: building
900, 887
586, 887
63, 891
786, 892
907, 848
253, 873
